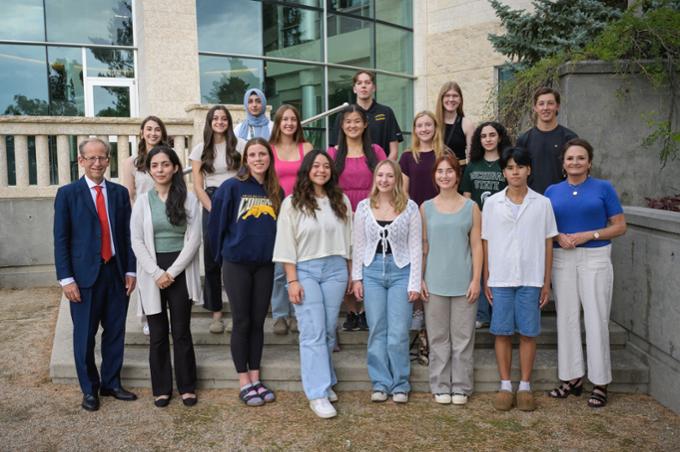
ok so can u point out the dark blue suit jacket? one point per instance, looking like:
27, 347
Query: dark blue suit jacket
77, 233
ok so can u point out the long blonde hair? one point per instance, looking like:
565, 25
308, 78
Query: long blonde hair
439, 109
399, 197
437, 141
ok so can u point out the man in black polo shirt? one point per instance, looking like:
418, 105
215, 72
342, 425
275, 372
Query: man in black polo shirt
382, 125
545, 140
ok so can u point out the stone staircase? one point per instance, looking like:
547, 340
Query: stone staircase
281, 365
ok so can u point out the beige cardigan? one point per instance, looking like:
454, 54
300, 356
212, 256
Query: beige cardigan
141, 229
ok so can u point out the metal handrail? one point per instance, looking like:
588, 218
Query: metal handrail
304, 122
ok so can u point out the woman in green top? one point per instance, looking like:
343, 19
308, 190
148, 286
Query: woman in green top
166, 233
452, 247
483, 177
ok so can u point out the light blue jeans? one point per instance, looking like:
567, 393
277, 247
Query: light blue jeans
388, 313
281, 306
324, 282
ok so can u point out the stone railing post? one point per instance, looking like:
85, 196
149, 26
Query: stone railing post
64, 159
42, 160
21, 160
123, 154
180, 149
3, 161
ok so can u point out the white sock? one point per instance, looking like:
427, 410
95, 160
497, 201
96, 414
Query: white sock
524, 386
506, 385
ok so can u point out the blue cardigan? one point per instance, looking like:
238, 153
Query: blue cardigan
242, 223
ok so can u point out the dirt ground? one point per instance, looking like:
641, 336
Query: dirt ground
36, 415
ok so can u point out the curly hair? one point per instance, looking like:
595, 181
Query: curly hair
271, 180
477, 150
304, 199
177, 195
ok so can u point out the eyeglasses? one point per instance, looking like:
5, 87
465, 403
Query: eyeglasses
96, 159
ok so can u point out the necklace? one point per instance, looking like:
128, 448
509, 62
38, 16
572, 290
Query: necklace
575, 187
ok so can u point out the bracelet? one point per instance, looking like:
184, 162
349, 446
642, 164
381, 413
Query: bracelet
292, 281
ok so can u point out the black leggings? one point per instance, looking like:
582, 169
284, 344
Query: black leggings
249, 288
174, 298
212, 287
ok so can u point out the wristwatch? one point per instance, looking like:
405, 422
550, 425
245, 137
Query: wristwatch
596, 235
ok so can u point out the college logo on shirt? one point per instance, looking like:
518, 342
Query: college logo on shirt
379, 117
255, 206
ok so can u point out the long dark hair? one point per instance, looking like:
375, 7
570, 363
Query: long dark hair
177, 195
275, 137
341, 155
303, 191
208, 156
271, 180
140, 160
477, 150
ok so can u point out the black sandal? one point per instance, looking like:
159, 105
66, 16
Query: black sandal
566, 388
264, 392
598, 398
250, 397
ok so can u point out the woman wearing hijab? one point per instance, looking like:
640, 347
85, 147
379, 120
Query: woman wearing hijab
256, 124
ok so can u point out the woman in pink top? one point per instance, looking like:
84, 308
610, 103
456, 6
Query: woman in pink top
289, 145
355, 159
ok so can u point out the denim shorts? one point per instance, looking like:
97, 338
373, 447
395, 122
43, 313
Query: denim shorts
516, 309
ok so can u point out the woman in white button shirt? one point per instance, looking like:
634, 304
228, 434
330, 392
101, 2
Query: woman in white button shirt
387, 255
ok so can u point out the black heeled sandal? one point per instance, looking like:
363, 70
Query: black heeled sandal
598, 398
566, 388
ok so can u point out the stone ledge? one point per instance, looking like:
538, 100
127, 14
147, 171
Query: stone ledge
657, 219
600, 67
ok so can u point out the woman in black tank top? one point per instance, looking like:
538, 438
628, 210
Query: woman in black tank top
456, 129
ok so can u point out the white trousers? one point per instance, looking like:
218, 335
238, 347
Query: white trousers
583, 277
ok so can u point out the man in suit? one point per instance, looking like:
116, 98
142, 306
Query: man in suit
95, 267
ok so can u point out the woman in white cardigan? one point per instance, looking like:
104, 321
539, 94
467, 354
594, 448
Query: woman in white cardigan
387, 255
166, 234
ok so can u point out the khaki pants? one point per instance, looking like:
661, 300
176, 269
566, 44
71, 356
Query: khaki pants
450, 323
583, 277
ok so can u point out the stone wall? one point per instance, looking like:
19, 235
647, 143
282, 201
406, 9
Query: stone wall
610, 110
646, 287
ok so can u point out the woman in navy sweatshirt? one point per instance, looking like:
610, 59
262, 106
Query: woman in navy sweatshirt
242, 230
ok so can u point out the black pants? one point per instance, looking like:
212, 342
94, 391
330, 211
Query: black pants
174, 298
249, 288
212, 285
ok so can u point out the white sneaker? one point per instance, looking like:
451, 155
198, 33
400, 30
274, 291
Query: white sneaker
332, 396
378, 396
322, 408
400, 397
444, 399
145, 328
459, 399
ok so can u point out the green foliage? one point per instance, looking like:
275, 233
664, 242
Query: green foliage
645, 39
554, 27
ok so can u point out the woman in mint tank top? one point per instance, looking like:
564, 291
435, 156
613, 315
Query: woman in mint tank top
452, 247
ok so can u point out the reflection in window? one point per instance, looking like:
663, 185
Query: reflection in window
89, 21
394, 49
292, 32
23, 78
110, 63
398, 94
65, 81
111, 101
22, 20
229, 26
356, 7
398, 12
349, 41
224, 80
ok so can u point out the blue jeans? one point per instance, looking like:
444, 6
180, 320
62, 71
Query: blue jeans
281, 306
324, 282
388, 313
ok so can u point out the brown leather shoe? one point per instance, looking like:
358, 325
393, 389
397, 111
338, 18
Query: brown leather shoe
503, 401
525, 401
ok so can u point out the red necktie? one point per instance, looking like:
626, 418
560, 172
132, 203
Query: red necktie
104, 223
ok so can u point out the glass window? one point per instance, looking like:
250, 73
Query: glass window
22, 20
66, 81
224, 80
292, 32
356, 7
110, 63
23, 78
229, 26
349, 41
397, 93
111, 101
394, 49
398, 12
89, 21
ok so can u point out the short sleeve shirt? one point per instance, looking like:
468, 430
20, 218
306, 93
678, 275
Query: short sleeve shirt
585, 207
482, 179
221, 172
421, 187
545, 149
382, 126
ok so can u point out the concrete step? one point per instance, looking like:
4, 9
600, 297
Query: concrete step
281, 367
483, 339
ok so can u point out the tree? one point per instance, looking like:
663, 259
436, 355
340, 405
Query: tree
553, 27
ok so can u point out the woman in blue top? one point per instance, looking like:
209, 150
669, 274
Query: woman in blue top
242, 230
588, 215
452, 246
